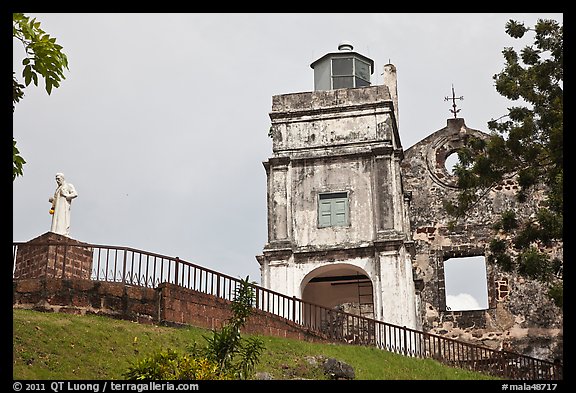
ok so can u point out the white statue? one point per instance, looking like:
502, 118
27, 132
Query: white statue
61, 202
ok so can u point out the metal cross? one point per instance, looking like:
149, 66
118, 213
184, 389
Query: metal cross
454, 98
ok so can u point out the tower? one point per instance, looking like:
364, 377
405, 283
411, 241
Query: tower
338, 228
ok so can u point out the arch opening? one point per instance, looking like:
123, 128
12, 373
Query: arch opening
452, 160
342, 287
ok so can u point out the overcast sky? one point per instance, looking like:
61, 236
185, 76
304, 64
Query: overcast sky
161, 123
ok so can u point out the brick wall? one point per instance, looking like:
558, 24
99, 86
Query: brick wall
80, 296
169, 304
33, 261
185, 306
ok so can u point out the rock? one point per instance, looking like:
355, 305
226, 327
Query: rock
337, 369
263, 376
314, 360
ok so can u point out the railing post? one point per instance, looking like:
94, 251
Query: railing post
503, 364
124, 267
293, 308
14, 253
405, 340
177, 265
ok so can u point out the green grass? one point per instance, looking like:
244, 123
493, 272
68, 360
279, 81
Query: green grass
67, 347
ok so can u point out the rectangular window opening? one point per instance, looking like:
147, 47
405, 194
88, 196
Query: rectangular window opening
466, 284
350, 72
333, 209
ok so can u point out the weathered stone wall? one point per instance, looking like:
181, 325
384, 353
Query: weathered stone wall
312, 178
188, 307
168, 304
315, 120
338, 141
80, 296
520, 315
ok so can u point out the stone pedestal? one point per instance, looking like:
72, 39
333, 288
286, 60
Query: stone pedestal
53, 256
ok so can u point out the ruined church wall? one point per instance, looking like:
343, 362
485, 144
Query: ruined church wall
520, 316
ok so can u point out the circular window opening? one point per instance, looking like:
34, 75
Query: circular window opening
451, 161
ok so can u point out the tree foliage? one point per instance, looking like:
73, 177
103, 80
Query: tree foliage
44, 58
227, 354
525, 145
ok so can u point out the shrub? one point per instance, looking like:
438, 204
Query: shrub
227, 355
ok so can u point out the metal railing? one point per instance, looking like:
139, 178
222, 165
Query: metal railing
135, 267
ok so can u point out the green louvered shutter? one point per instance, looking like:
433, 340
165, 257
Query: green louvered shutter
339, 212
325, 213
333, 209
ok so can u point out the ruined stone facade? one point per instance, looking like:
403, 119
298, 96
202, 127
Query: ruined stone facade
520, 315
385, 257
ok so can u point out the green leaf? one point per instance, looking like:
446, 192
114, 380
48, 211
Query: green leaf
27, 73
515, 29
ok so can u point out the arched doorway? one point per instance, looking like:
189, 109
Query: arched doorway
340, 286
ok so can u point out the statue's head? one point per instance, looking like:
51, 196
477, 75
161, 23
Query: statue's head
59, 178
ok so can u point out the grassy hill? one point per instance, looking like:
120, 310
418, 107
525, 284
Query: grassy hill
71, 347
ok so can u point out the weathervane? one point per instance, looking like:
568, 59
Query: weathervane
454, 98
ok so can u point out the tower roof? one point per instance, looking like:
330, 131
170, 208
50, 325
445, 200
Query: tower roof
345, 49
